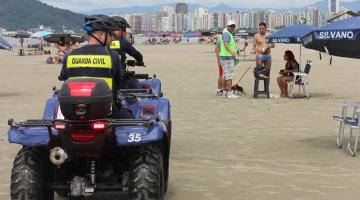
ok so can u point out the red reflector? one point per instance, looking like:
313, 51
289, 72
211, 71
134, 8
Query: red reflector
147, 110
81, 88
145, 86
60, 126
98, 125
82, 136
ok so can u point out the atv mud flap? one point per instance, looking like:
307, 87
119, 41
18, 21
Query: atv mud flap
126, 136
30, 136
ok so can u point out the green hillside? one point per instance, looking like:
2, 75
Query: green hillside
26, 14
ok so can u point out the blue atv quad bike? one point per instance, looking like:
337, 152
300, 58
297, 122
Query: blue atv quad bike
76, 150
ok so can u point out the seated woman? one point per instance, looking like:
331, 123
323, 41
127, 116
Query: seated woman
59, 56
287, 74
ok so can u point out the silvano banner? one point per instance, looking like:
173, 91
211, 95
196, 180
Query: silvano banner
283, 40
336, 34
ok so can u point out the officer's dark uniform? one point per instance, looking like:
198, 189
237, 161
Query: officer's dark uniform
95, 61
123, 47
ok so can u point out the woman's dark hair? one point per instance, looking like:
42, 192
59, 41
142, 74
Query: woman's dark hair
290, 55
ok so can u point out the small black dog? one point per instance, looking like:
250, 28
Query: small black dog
238, 89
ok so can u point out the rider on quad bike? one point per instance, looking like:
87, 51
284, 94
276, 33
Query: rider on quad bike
96, 60
87, 141
121, 45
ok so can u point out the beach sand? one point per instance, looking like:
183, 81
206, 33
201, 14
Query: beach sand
222, 149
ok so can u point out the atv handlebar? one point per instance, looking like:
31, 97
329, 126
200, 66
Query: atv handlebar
133, 63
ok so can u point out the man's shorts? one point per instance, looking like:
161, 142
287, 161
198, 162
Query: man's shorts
263, 57
220, 70
228, 67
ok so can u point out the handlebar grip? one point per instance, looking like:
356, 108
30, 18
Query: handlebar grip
141, 76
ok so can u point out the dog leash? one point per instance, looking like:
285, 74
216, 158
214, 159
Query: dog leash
242, 76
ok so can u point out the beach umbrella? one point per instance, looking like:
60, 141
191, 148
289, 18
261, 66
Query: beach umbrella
150, 34
4, 44
246, 32
22, 34
341, 38
291, 35
190, 35
63, 38
40, 34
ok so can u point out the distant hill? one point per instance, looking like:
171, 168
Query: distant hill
26, 14
321, 5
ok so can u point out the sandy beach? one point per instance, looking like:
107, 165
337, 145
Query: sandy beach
222, 149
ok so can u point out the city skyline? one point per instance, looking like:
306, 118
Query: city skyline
90, 5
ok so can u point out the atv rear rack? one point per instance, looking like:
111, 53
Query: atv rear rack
136, 93
51, 123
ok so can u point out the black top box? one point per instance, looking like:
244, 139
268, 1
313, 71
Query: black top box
85, 99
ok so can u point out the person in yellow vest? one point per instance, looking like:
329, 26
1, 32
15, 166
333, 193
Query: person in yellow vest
96, 60
227, 56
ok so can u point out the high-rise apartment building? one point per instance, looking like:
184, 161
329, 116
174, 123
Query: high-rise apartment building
217, 20
135, 22
333, 6
168, 10
181, 8
312, 16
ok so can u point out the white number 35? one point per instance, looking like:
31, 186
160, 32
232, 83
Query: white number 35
134, 137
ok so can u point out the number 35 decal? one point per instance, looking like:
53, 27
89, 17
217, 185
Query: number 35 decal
134, 137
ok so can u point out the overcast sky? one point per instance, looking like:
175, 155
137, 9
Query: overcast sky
88, 5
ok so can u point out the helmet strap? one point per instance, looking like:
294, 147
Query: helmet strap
97, 39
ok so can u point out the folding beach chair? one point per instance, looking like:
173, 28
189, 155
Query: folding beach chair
351, 121
346, 116
353, 124
300, 78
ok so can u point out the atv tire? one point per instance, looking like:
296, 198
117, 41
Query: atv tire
28, 175
146, 181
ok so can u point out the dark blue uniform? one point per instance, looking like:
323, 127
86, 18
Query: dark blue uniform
124, 47
96, 50
98, 62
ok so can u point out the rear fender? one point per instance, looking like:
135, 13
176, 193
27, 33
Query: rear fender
50, 110
161, 106
154, 83
31, 136
129, 136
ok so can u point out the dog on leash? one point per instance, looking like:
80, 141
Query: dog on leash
237, 89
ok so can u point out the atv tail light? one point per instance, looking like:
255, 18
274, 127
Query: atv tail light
82, 136
98, 126
60, 125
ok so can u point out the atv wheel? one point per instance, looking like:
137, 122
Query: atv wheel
28, 175
146, 181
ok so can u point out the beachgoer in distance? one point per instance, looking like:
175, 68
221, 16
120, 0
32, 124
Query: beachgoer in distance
228, 51
286, 74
